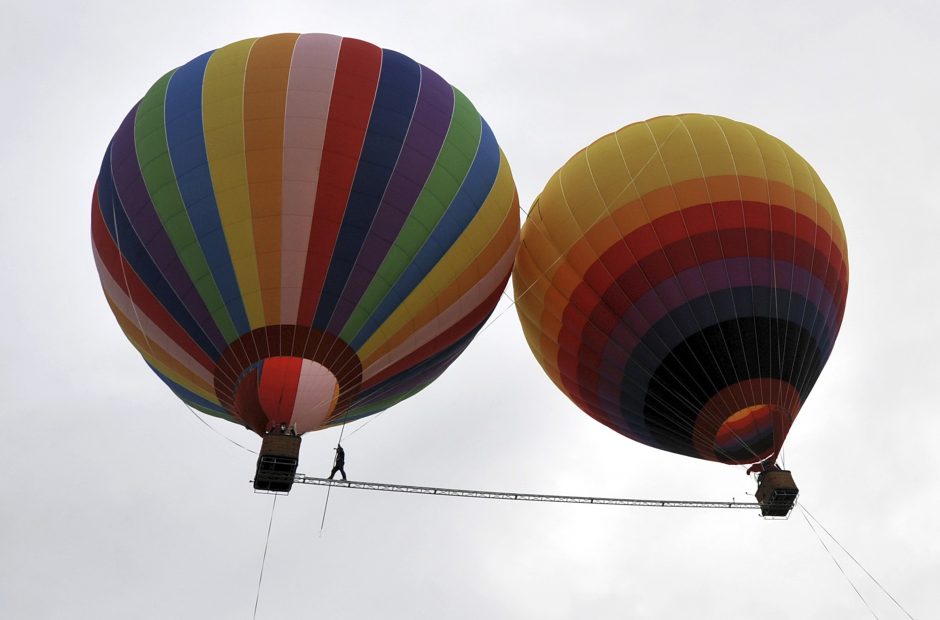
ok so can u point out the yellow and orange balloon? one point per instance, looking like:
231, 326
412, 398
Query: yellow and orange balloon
683, 281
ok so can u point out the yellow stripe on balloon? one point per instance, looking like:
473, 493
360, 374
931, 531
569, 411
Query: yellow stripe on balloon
265, 89
524, 288
223, 121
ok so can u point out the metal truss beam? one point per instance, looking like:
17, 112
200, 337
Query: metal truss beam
523, 497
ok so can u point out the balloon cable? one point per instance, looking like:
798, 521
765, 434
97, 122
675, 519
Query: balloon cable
217, 431
263, 558
841, 570
326, 502
857, 563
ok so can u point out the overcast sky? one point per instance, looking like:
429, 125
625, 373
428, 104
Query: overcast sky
115, 502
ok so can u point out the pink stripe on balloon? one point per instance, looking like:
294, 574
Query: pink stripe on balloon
317, 392
309, 90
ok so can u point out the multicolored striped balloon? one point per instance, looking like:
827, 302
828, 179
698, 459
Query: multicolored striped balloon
683, 280
302, 230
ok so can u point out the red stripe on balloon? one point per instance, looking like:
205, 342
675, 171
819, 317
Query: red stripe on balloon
277, 390
727, 240
246, 405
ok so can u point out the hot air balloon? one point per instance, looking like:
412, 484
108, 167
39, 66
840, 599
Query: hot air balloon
683, 280
297, 231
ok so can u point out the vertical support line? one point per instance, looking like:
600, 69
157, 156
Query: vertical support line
263, 558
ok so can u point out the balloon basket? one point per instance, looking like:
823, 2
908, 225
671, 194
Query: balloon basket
776, 493
277, 463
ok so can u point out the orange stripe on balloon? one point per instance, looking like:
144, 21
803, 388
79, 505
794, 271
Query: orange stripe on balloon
266, 79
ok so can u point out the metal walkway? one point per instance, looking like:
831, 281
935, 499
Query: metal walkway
522, 497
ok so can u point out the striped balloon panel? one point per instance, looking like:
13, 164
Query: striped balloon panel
302, 229
683, 280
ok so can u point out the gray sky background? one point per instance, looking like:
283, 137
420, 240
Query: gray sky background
115, 502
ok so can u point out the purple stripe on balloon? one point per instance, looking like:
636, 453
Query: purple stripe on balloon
135, 200
423, 142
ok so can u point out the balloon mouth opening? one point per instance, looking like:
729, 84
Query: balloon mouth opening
288, 394
296, 391
747, 435
287, 375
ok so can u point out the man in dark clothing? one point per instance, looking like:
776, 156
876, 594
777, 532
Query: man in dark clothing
339, 462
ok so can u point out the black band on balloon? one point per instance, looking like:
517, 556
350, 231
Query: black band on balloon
744, 348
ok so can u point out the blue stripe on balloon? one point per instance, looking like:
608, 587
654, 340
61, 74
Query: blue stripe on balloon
395, 100
461, 211
136, 255
186, 142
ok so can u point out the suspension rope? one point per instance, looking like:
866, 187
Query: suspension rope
841, 570
326, 502
264, 557
360, 427
217, 431
857, 563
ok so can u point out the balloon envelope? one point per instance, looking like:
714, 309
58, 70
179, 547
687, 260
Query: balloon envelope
683, 280
302, 229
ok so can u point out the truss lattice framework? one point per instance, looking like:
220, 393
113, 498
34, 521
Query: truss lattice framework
523, 497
